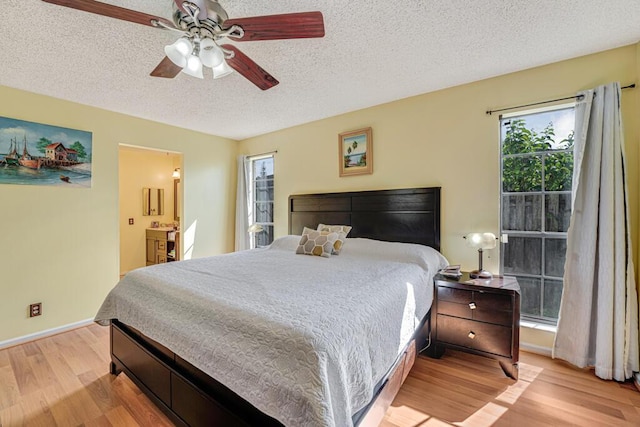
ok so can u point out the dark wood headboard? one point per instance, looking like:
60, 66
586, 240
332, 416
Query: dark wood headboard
409, 215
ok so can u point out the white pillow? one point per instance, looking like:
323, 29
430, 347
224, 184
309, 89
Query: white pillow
425, 256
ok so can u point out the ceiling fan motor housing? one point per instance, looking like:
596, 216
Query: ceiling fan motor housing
210, 17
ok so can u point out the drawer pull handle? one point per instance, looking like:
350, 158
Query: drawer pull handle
472, 305
471, 334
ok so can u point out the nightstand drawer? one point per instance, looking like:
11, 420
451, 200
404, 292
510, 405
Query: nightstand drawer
455, 309
478, 308
490, 315
487, 299
491, 301
480, 336
454, 295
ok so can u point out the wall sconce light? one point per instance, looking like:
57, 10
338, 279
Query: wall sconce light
481, 241
176, 173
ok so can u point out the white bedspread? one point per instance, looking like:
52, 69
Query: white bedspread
305, 339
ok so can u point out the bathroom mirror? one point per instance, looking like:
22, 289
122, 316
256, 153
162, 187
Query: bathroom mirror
177, 195
152, 201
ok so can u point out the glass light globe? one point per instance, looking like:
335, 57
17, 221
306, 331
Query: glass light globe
210, 53
222, 70
179, 51
194, 67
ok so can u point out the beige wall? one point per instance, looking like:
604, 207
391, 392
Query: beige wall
60, 246
142, 168
445, 139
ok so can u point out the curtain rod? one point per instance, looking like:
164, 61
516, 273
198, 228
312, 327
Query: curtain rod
263, 154
489, 112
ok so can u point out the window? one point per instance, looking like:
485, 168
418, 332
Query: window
537, 167
261, 199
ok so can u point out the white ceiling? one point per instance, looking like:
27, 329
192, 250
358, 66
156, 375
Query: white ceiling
373, 52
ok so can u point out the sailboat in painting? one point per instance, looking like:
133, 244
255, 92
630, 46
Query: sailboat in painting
12, 158
27, 160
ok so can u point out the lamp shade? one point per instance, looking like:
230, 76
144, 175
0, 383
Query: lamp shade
481, 240
176, 173
194, 67
210, 53
222, 70
255, 228
179, 51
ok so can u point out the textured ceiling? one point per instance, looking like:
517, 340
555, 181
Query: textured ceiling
373, 52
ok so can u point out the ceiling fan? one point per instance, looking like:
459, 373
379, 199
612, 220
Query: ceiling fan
203, 25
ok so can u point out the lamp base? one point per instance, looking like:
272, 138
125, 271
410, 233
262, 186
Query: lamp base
480, 274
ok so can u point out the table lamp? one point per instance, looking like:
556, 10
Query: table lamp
255, 228
481, 241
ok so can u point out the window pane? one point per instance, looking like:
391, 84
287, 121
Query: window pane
521, 174
555, 254
545, 131
522, 212
558, 168
265, 237
530, 292
558, 212
264, 190
523, 255
552, 295
264, 212
263, 168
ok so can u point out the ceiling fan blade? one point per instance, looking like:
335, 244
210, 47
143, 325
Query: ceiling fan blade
111, 11
249, 69
275, 27
166, 68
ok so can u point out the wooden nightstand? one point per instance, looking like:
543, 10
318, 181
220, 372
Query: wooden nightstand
479, 317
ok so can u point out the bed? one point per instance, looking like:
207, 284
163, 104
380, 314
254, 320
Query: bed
295, 351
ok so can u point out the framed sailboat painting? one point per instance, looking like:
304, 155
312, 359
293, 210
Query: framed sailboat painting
38, 154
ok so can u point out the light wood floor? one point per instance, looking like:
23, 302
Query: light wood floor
64, 381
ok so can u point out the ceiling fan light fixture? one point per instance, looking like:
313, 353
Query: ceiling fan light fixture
222, 70
179, 51
194, 67
210, 53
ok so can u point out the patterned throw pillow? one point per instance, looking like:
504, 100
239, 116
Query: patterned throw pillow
342, 231
318, 243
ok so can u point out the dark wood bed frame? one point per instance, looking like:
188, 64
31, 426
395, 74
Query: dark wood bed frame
190, 397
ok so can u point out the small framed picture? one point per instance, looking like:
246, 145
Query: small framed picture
356, 152
155, 224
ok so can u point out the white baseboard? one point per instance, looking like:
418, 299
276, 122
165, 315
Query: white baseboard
537, 349
42, 334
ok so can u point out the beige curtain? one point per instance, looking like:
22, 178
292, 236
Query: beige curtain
598, 321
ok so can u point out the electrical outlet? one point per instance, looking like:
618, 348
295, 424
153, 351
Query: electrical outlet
130, 221
35, 309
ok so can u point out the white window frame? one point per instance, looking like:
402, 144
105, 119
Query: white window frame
543, 233
251, 195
